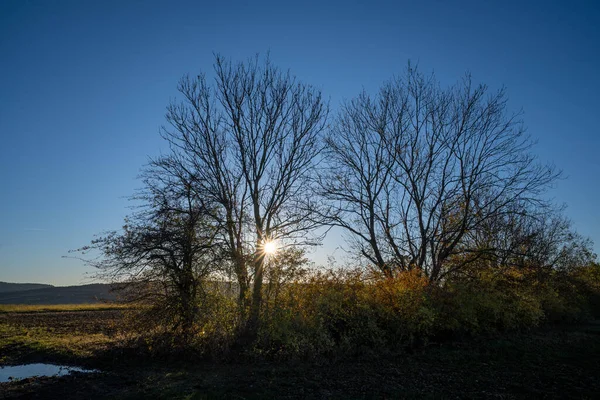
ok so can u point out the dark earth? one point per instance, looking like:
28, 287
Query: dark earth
554, 363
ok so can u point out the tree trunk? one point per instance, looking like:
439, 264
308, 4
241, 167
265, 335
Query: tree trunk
254, 320
242, 278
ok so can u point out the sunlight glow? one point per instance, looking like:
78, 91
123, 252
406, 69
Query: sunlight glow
270, 247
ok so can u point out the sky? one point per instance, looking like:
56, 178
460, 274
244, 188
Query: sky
84, 86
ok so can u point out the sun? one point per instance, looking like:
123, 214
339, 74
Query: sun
270, 247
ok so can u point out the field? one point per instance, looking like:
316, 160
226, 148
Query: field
548, 363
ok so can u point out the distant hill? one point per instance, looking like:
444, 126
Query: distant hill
47, 294
6, 287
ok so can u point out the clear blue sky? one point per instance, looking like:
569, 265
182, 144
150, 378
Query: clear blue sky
84, 86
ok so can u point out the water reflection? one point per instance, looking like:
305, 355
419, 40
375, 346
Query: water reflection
15, 372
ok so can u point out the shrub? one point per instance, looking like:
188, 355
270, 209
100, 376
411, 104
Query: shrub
486, 304
346, 313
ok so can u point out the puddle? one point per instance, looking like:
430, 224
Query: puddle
15, 372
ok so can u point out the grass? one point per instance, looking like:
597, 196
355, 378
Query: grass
551, 363
19, 344
65, 333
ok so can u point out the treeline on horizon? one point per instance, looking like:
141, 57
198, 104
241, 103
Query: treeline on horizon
437, 189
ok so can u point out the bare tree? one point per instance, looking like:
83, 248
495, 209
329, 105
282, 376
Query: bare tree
417, 168
252, 140
544, 241
166, 250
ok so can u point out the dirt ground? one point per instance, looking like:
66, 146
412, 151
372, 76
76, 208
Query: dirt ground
549, 363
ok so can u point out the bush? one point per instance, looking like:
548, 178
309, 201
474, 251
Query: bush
570, 296
347, 313
488, 303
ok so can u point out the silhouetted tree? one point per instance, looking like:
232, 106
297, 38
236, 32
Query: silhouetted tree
251, 140
417, 168
526, 238
166, 250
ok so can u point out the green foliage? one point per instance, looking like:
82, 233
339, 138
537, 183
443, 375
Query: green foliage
486, 305
573, 295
